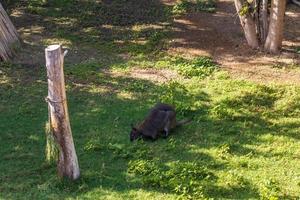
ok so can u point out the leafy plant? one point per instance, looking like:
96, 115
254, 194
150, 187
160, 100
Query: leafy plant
181, 7
185, 6
198, 67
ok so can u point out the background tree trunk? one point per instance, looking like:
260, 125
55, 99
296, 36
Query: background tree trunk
59, 117
9, 39
275, 34
264, 20
248, 25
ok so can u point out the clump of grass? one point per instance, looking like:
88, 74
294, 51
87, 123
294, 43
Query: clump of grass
269, 189
185, 6
181, 7
186, 179
197, 67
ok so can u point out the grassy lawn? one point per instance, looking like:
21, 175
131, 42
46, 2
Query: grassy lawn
243, 141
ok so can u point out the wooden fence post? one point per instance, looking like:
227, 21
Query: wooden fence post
58, 114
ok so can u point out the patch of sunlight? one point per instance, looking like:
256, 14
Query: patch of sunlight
109, 194
65, 42
41, 81
32, 30
291, 14
66, 21
68, 87
96, 110
100, 191
119, 42
4, 79
139, 42
97, 90
108, 26
17, 13
271, 138
89, 30
126, 95
18, 148
33, 137
285, 121
123, 68
141, 27
144, 194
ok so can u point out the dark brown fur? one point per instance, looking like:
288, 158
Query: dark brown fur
161, 119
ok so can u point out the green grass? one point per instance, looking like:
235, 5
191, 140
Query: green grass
243, 142
186, 6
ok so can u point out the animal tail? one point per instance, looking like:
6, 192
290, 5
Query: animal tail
182, 122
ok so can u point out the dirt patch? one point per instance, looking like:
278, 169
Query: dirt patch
154, 75
219, 35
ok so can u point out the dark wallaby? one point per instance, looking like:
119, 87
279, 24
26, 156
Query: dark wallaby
161, 119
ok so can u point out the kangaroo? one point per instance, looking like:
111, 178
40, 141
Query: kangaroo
161, 119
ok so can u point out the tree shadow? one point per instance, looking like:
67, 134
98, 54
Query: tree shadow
92, 28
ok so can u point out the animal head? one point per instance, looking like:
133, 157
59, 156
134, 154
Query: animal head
134, 134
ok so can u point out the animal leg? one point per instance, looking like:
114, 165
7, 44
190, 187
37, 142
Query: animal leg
166, 129
166, 133
154, 137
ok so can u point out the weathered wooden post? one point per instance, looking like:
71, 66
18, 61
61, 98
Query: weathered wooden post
58, 114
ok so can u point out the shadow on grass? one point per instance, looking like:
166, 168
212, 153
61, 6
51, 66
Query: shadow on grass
98, 29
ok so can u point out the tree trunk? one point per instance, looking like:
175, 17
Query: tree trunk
59, 117
274, 39
248, 25
264, 20
9, 39
256, 17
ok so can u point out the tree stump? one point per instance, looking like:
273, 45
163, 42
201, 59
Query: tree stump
59, 123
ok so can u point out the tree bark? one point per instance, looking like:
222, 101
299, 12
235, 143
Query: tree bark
248, 25
264, 20
59, 118
256, 17
275, 34
9, 39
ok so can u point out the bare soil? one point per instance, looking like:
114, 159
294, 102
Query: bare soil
220, 36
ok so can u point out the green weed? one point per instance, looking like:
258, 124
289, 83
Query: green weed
185, 6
